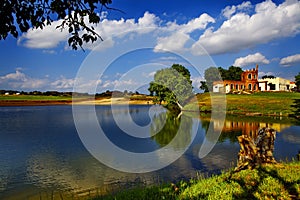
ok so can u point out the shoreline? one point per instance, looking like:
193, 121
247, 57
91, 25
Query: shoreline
117, 101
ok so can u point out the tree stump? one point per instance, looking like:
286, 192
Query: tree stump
256, 150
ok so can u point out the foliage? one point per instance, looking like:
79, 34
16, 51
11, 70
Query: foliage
204, 86
172, 85
280, 181
268, 76
211, 75
297, 79
21, 15
233, 73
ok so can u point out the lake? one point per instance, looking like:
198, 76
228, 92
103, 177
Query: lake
42, 156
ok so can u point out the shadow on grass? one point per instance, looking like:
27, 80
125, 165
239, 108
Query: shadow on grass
249, 188
296, 105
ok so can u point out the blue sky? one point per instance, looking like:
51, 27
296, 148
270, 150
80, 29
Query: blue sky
148, 36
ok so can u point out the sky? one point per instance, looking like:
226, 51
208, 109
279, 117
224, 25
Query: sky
147, 36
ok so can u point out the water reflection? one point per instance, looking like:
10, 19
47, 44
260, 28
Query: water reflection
165, 126
40, 151
238, 125
287, 129
296, 106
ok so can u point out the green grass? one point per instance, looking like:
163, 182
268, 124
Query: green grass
33, 98
263, 103
279, 181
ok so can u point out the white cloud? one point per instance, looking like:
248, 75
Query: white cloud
261, 73
120, 85
244, 6
63, 83
48, 37
149, 75
180, 33
242, 31
239, 31
251, 59
290, 60
196, 81
175, 42
228, 11
172, 58
19, 80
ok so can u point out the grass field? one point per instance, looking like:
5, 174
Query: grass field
277, 181
261, 103
33, 98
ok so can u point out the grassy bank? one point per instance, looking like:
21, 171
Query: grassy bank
261, 103
33, 98
279, 181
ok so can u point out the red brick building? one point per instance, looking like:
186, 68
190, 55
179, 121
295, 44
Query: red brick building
248, 82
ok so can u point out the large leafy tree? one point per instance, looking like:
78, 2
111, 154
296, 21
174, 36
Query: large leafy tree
212, 74
204, 86
172, 85
297, 79
233, 73
19, 16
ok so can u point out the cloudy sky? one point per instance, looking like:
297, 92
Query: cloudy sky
149, 36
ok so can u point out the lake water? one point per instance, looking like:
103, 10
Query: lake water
43, 157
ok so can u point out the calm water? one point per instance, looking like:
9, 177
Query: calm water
42, 156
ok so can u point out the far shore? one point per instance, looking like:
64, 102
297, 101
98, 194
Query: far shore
106, 101
282, 104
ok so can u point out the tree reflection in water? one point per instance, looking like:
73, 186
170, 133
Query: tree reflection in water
256, 136
297, 108
165, 126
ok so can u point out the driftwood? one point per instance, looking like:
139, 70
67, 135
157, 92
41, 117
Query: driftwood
256, 149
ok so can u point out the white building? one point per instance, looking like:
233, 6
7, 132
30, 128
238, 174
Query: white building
219, 87
275, 84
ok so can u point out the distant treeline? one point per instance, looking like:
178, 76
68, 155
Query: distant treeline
56, 93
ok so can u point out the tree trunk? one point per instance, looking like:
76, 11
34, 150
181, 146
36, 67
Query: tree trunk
180, 106
256, 150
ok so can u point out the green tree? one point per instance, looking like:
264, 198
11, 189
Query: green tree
172, 85
212, 74
22, 15
204, 86
267, 76
183, 71
297, 80
233, 73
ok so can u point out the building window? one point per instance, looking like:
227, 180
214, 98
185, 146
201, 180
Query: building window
250, 87
249, 76
254, 76
272, 86
236, 86
254, 87
231, 86
241, 87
